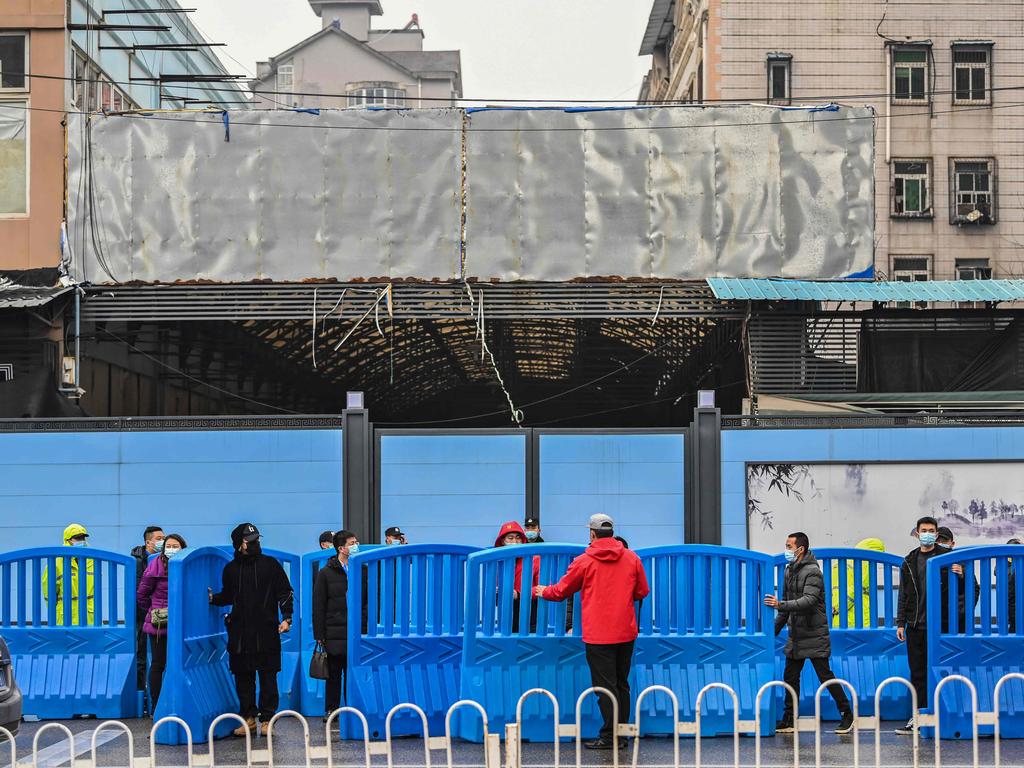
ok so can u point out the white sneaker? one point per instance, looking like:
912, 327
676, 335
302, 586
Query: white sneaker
908, 729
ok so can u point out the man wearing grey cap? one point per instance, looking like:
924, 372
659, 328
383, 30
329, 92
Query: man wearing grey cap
610, 580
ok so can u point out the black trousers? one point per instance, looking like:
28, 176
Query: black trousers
140, 659
822, 669
245, 687
609, 668
335, 684
158, 655
917, 656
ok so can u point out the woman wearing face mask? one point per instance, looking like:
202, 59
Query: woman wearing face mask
511, 534
152, 596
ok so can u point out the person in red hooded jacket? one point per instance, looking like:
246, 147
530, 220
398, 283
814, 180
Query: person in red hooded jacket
611, 580
512, 533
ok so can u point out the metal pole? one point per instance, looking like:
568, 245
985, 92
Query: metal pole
78, 339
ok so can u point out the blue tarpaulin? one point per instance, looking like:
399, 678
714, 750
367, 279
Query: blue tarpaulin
771, 289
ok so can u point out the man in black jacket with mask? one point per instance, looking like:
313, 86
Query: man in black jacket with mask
912, 609
260, 595
330, 616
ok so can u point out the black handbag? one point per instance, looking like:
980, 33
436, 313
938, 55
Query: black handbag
318, 664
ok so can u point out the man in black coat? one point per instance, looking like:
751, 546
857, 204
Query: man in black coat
802, 608
260, 595
912, 608
330, 616
153, 541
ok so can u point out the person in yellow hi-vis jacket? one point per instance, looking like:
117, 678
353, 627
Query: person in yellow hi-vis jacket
855, 605
75, 535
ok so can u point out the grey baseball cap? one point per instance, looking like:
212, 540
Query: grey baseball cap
601, 522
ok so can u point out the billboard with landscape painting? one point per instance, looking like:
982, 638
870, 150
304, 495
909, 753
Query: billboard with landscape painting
837, 505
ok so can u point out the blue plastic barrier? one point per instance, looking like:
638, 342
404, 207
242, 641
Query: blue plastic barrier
705, 622
197, 683
311, 692
865, 649
411, 650
68, 616
290, 678
990, 644
509, 651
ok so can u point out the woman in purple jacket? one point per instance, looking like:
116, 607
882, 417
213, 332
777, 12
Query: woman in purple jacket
152, 594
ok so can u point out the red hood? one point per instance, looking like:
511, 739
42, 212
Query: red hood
608, 550
506, 529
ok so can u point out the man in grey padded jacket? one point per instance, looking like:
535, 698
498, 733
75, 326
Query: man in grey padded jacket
802, 609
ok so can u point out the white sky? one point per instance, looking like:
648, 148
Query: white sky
511, 49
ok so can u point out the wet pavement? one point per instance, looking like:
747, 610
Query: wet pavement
776, 752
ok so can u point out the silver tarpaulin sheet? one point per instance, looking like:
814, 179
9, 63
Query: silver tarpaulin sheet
547, 194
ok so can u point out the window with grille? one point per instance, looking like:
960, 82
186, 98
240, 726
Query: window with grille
972, 74
780, 78
14, 62
910, 269
973, 269
910, 74
973, 186
378, 95
911, 188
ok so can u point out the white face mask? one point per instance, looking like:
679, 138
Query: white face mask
171, 551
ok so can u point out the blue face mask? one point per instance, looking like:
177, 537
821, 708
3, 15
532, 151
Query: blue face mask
159, 546
790, 555
532, 535
169, 553
353, 549
80, 543
391, 543
927, 539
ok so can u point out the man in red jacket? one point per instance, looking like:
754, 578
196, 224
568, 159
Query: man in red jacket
610, 579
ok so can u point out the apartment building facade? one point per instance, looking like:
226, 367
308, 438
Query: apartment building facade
104, 55
944, 78
60, 56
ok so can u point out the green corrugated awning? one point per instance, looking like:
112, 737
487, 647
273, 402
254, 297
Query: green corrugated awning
776, 289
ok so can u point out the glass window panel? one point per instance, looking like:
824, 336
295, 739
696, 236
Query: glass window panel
962, 87
978, 83
969, 56
12, 61
917, 83
908, 55
779, 81
13, 157
902, 83
913, 201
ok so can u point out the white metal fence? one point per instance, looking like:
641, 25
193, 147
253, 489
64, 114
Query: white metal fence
513, 757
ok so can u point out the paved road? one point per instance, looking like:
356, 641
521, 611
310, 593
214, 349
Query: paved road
777, 751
